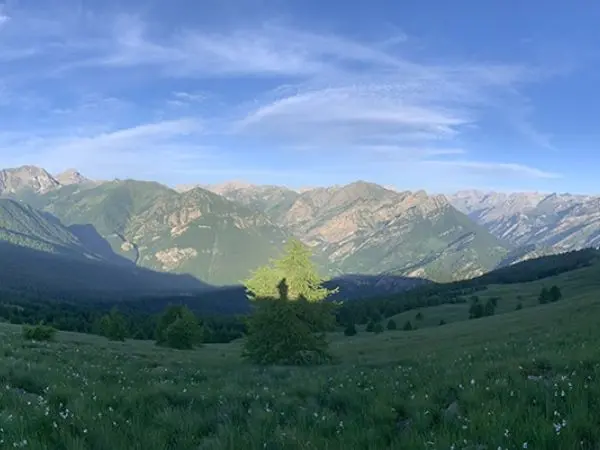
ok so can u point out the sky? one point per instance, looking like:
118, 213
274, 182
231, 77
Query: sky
433, 95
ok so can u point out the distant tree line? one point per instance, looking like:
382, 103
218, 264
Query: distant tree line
286, 297
376, 309
128, 320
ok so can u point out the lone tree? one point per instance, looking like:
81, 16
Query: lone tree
545, 296
178, 328
407, 326
476, 310
554, 294
391, 325
350, 330
290, 316
113, 326
490, 307
378, 328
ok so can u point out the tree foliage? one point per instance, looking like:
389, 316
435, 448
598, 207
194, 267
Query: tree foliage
350, 330
279, 332
39, 332
290, 318
178, 328
551, 295
113, 326
555, 293
478, 309
391, 325
298, 270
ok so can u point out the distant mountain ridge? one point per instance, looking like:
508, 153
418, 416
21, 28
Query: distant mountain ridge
543, 223
220, 233
365, 228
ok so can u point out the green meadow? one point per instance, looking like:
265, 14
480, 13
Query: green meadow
518, 379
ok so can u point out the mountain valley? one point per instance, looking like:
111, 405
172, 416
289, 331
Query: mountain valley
220, 233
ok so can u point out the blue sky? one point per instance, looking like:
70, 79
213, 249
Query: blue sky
414, 94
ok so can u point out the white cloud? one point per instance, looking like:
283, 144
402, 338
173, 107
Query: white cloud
357, 112
493, 168
318, 90
158, 147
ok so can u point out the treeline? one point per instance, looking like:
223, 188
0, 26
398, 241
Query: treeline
378, 308
87, 318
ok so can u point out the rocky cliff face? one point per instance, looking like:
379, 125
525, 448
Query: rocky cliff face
548, 223
365, 228
70, 177
26, 178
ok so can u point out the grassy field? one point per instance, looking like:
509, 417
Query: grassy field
575, 284
524, 379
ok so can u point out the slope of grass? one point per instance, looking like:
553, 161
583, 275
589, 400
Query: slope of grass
573, 284
525, 379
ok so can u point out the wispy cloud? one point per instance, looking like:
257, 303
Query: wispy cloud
293, 88
494, 168
143, 149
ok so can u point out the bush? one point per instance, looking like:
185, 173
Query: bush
39, 332
178, 328
113, 326
442, 322
419, 316
370, 327
407, 326
378, 328
554, 294
519, 306
350, 330
391, 325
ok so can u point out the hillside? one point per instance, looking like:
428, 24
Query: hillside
22, 225
520, 379
453, 298
365, 228
221, 235
40, 275
196, 232
542, 223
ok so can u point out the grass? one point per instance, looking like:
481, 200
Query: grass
574, 284
524, 379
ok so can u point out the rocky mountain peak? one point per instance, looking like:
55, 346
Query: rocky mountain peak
26, 177
70, 176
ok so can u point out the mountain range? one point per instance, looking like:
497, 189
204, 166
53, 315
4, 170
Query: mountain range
220, 233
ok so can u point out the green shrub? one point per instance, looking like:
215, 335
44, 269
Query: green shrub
178, 328
350, 330
39, 332
391, 325
113, 326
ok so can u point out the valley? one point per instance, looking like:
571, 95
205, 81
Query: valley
518, 379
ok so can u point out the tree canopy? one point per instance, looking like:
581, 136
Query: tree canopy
290, 317
298, 270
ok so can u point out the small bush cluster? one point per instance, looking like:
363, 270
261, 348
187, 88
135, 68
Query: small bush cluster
39, 332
